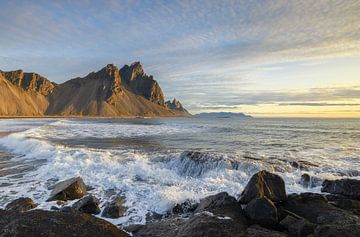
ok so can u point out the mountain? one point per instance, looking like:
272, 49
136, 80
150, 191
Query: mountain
177, 108
109, 92
222, 115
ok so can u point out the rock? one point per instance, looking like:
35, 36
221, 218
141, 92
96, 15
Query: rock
347, 204
88, 204
184, 207
21, 205
258, 231
302, 164
316, 209
340, 230
205, 224
264, 184
60, 203
298, 227
167, 227
69, 189
38, 223
262, 211
222, 204
305, 180
115, 208
346, 187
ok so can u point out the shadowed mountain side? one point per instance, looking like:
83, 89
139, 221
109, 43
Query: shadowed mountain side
177, 108
15, 101
101, 94
138, 82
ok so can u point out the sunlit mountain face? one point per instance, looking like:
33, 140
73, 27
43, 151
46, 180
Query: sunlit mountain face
263, 58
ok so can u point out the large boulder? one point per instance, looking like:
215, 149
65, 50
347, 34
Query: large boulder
205, 224
316, 209
264, 184
222, 204
262, 211
69, 189
88, 204
115, 208
346, 187
21, 205
37, 223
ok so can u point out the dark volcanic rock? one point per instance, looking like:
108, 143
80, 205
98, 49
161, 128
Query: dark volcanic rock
223, 205
298, 227
335, 231
264, 184
346, 187
316, 209
69, 189
115, 208
88, 204
38, 223
205, 224
262, 211
258, 231
305, 180
167, 227
21, 205
184, 207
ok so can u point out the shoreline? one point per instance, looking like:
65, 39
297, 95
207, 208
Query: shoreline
263, 209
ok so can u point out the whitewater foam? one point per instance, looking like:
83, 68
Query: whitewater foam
154, 181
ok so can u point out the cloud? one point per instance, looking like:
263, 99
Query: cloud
317, 104
200, 51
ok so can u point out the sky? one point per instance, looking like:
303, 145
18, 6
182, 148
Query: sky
265, 58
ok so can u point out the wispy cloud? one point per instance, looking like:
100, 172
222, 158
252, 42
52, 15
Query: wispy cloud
196, 49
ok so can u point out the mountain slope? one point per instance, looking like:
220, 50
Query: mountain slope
177, 108
109, 92
23, 94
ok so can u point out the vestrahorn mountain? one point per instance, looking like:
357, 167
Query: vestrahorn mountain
110, 92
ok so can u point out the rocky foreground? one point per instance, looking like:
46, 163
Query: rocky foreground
263, 209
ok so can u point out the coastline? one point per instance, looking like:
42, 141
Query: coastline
263, 209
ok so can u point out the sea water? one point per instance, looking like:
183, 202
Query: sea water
144, 159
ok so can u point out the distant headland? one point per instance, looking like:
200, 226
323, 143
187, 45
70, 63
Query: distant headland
222, 115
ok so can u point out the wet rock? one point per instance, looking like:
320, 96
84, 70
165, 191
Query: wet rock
316, 209
206, 224
305, 180
21, 205
222, 204
346, 187
88, 204
184, 207
262, 211
340, 230
302, 164
168, 227
37, 223
298, 227
258, 231
264, 184
115, 208
347, 204
69, 189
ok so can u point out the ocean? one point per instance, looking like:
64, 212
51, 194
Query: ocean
146, 160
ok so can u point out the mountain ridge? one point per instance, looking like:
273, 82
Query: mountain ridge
109, 92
